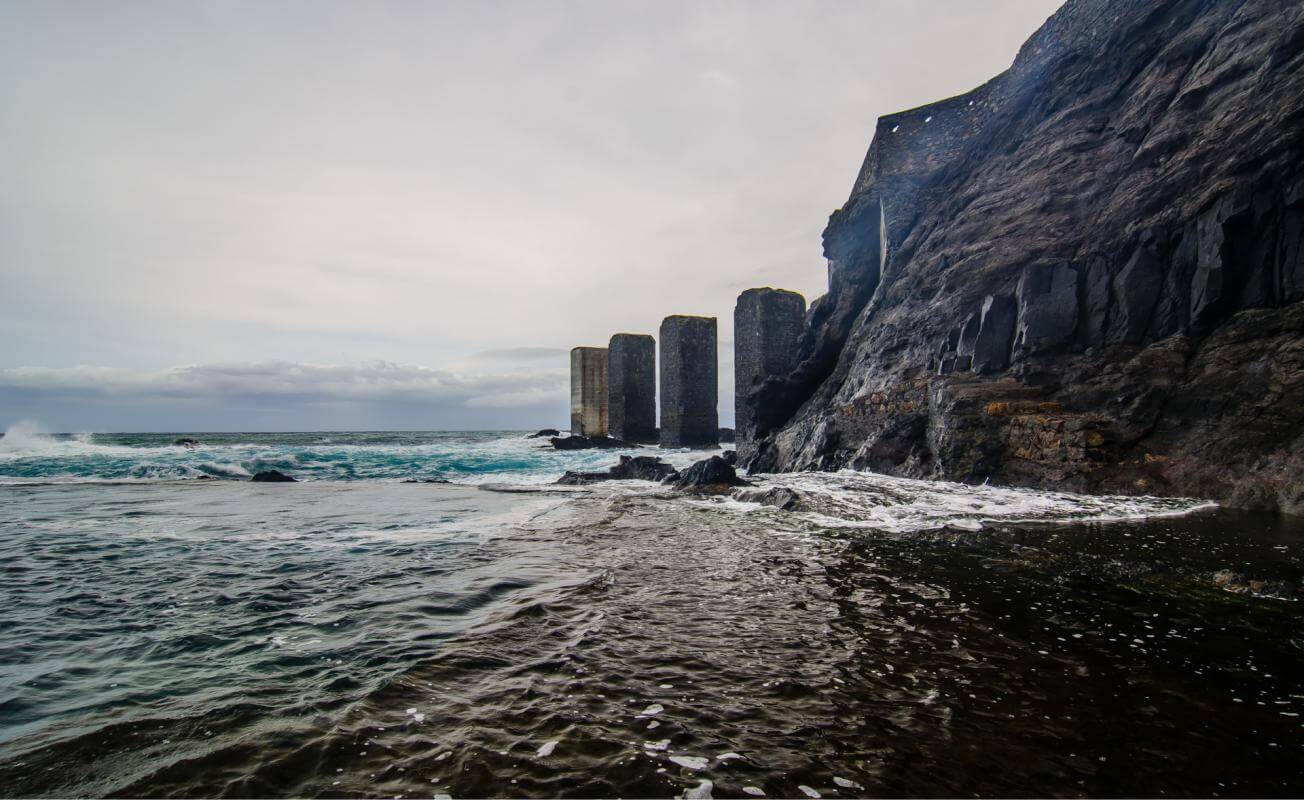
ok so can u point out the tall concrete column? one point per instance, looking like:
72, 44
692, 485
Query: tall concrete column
689, 376
589, 391
632, 387
768, 324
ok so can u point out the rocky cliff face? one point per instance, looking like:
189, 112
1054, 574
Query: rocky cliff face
1086, 274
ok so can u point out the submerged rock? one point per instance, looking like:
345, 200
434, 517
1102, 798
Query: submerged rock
641, 468
186, 441
577, 442
780, 497
272, 476
710, 475
545, 433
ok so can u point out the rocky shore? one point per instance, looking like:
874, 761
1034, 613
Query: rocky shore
1087, 274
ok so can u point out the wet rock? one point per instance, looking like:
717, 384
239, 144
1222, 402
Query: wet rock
710, 475
272, 476
545, 433
780, 497
642, 468
730, 457
186, 441
577, 442
426, 480
727, 435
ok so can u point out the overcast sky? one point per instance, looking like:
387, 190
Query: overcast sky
325, 215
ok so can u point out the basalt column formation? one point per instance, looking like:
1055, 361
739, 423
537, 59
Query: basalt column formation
632, 387
588, 367
689, 394
768, 326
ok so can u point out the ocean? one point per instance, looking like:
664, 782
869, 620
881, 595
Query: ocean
168, 628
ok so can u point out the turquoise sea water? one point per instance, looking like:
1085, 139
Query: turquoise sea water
468, 457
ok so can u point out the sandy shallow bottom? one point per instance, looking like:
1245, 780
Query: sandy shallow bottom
383, 639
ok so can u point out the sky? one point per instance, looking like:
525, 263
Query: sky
227, 215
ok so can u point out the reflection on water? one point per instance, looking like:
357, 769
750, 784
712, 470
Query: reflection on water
416, 640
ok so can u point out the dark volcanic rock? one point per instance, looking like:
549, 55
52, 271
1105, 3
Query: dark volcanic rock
730, 457
545, 433
780, 497
1048, 308
588, 443
642, 468
711, 475
1085, 274
991, 350
272, 476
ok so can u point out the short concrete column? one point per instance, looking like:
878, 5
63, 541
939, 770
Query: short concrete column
768, 325
689, 376
632, 387
589, 391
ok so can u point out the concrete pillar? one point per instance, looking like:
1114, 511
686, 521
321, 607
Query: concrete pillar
589, 391
768, 324
689, 375
632, 387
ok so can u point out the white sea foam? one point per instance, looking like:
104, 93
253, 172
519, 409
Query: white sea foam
850, 499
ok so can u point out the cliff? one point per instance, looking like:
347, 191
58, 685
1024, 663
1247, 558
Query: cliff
1087, 274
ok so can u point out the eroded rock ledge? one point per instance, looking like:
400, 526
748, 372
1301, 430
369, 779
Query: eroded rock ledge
1086, 274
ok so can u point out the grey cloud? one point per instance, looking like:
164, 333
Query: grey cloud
300, 382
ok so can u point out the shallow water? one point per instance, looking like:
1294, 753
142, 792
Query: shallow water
375, 638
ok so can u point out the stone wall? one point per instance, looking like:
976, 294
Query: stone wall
632, 387
589, 391
689, 374
768, 326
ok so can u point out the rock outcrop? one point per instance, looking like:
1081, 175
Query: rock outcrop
272, 476
588, 443
544, 434
1086, 274
709, 476
642, 468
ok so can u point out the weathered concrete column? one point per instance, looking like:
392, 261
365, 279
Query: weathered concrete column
589, 391
689, 375
768, 325
632, 387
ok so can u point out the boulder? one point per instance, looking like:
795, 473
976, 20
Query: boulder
641, 468
730, 457
710, 475
545, 433
272, 476
780, 497
577, 442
